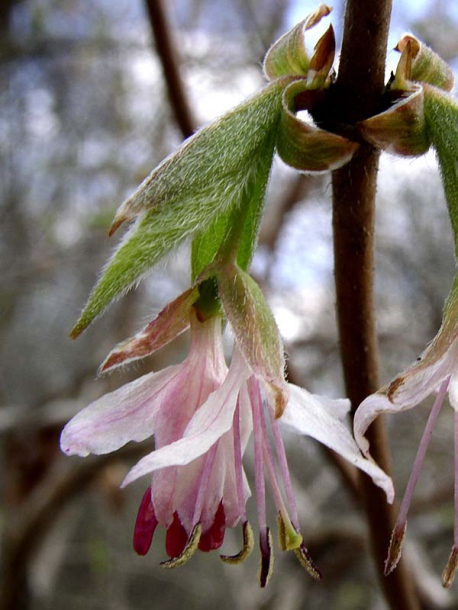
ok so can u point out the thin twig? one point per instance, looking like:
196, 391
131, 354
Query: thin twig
168, 56
356, 94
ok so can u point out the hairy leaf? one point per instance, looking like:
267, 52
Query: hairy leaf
441, 113
188, 192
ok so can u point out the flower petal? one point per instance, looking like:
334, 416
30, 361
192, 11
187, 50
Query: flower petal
453, 391
365, 414
210, 422
127, 414
419, 381
309, 415
169, 323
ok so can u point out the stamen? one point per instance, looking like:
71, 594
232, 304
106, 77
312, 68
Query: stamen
448, 575
307, 562
291, 538
284, 469
394, 551
259, 480
265, 538
238, 463
397, 537
176, 537
188, 551
288, 537
281, 533
248, 545
145, 524
267, 557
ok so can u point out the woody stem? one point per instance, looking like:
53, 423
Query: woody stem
356, 94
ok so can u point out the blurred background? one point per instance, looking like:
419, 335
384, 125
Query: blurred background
85, 114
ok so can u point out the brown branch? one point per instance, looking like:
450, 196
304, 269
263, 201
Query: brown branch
168, 56
30, 524
356, 96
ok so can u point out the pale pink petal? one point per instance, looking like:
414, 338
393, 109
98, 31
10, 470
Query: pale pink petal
223, 479
185, 489
231, 501
133, 412
416, 383
163, 487
210, 422
367, 412
438, 361
309, 415
169, 323
174, 487
223, 473
453, 391
127, 414
405, 392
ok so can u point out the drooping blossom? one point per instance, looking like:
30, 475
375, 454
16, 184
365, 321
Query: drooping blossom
434, 372
201, 414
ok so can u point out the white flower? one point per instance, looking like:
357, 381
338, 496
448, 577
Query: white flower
201, 415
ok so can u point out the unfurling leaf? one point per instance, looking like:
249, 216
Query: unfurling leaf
425, 66
441, 112
403, 128
305, 146
400, 130
209, 176
289, 55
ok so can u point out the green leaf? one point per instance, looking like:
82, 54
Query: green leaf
206, 244
240, 223
254, 326
441, 114
305, 146
424, 64
402, 128
289, 55
189, 192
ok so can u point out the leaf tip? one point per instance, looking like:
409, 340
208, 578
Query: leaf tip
117, 222
76, 331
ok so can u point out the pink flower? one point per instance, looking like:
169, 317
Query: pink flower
202, 415
435, 371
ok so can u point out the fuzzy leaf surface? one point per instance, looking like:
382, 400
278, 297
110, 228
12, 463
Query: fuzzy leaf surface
201, 182
254, 326
441, 113
244, 220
